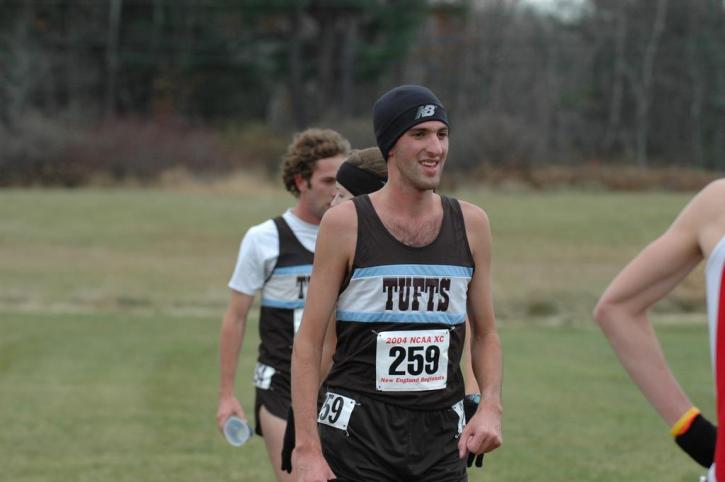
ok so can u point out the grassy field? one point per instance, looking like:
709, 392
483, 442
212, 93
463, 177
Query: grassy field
110, 303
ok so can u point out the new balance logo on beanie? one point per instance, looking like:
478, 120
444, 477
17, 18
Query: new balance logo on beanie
425, 111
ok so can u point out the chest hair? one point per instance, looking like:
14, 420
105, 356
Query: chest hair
414, 233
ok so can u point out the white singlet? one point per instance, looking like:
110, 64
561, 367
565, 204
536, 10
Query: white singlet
715, 278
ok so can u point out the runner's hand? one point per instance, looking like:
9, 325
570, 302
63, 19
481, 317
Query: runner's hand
482, 432
470, 405
228, 406
310, 466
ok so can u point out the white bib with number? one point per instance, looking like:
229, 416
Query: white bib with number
336, 411
263, 376
414, 360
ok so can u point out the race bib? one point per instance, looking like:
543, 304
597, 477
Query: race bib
263, 376
412, 360
458, 408
336, 411
297, 318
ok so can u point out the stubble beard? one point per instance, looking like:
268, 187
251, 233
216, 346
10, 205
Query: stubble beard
321, 209
420, 182
316, 207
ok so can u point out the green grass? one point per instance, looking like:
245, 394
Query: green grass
152, 251
132, 398
110, 304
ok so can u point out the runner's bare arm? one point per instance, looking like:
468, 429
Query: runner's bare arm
333, 251
469, 377
483, 431
622, 310
230, 342
328, 348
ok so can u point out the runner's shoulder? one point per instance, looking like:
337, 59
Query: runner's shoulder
474, 215
715, 191
340, 218
338, 231
263, 232
709, 202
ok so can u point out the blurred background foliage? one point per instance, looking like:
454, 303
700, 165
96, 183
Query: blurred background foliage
115, 90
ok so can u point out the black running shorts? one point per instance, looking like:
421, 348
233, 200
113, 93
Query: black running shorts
276, 399
368, 440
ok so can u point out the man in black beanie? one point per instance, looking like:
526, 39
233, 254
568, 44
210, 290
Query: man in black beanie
400, 269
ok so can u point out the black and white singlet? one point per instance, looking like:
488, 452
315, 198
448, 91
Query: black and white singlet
401, 315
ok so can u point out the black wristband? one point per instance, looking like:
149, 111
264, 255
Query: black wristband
699, 441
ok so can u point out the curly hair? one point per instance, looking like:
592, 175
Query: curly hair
306, 148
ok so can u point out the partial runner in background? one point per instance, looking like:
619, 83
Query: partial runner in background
697, 233
364, 172
275, 257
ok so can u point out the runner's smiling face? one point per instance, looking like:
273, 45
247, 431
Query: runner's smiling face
420, 153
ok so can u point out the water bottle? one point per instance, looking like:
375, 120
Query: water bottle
237, 431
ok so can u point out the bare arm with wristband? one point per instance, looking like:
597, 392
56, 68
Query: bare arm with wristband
622, 314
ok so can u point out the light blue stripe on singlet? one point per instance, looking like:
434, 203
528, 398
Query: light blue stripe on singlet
300, 269
287, 305
398, 317
440, 270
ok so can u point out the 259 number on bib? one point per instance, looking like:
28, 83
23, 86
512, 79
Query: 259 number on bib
412, 360
419, 359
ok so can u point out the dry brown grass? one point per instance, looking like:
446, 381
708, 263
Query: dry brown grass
592, 175
240, 182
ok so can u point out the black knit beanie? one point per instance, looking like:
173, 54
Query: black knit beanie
401, 108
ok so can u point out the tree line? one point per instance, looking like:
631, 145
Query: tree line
638, 82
